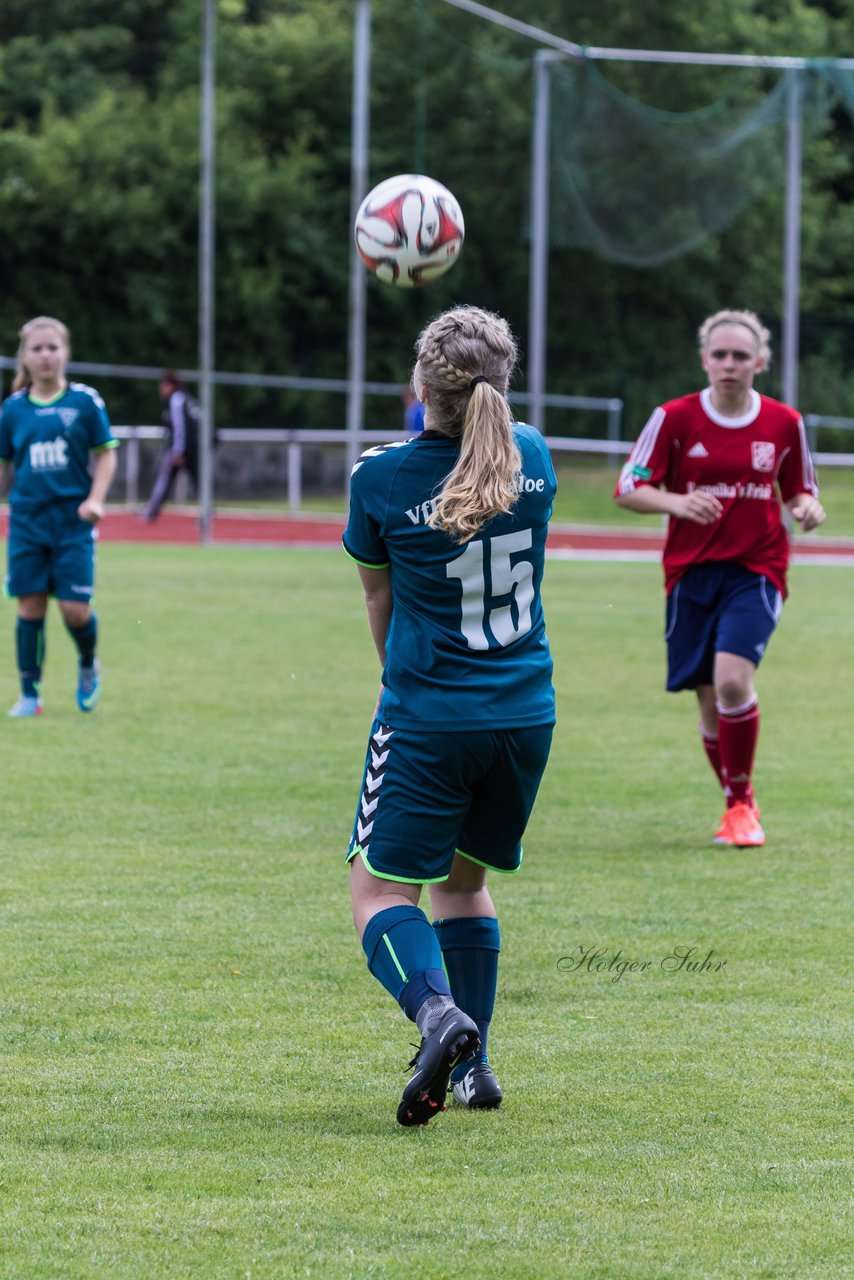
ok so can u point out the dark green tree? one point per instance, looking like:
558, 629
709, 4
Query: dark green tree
99, 172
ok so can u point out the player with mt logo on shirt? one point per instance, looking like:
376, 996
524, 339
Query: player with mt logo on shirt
719, 463
48, 428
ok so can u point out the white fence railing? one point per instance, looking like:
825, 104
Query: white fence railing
295, 441
812, 422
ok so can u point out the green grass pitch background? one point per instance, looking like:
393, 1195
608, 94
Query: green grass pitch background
199, 1076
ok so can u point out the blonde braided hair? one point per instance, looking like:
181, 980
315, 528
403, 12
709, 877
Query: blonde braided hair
460, 345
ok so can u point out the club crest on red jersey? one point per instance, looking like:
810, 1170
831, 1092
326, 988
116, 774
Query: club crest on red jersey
763, 455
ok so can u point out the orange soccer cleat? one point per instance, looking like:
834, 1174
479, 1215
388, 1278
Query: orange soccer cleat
740, 826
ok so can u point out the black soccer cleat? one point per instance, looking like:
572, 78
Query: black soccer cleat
455, 1039
478, 1090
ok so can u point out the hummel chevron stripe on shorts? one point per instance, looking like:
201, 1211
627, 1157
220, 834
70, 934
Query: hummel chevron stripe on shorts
373, 781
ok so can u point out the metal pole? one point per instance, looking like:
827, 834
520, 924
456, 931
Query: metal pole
600, 53
568, 47
358, 188
539, 251
131, 453
792, 242
615, 419
206, 269
294, 475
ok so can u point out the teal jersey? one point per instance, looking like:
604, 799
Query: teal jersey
466, 647
48, 445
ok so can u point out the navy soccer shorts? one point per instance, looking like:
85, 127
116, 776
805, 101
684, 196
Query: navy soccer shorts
427, 796
717, 607
51, 553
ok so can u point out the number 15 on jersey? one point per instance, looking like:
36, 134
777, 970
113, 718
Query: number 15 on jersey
506, 577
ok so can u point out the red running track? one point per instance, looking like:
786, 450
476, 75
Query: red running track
254, 529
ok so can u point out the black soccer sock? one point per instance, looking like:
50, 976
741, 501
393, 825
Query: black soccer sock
29, 647
86, 639
470, 947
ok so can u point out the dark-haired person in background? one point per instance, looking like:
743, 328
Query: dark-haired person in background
181, 416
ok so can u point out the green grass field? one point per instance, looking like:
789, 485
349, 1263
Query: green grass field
199, 1076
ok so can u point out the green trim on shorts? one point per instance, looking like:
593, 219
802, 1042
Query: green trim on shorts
384, 875
488, 866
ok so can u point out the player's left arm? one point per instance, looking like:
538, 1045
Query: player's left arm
799, 484
91, 509
807, 510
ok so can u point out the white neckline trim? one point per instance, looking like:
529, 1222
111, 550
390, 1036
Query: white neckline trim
723, 421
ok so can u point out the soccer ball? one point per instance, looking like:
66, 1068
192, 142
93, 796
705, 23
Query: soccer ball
409, 230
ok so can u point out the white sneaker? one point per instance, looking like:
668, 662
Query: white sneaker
27, 707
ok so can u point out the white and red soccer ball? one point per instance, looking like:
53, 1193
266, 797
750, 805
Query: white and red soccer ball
409, 230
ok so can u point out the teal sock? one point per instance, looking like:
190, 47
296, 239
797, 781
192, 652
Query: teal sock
86, 639
470, 948
29, 647
404, 955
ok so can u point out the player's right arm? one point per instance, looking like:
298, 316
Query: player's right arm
376, 584
6, 448
647, 499
641, 484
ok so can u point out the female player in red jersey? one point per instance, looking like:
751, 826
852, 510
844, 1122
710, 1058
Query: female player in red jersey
719, 463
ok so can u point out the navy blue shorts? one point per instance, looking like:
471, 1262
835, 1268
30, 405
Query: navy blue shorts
427, 796
51, 553
717, 607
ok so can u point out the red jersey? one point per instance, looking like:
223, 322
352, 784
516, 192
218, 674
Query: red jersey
748, 463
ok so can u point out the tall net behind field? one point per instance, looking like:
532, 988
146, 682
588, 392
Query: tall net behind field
840, 81
642, 186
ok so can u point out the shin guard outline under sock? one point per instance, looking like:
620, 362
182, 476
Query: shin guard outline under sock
403, 954
29, 649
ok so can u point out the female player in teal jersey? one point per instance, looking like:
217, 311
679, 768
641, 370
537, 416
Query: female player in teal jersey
48, 426
449, 531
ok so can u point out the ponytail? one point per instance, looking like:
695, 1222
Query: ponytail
465, 358
483, 484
